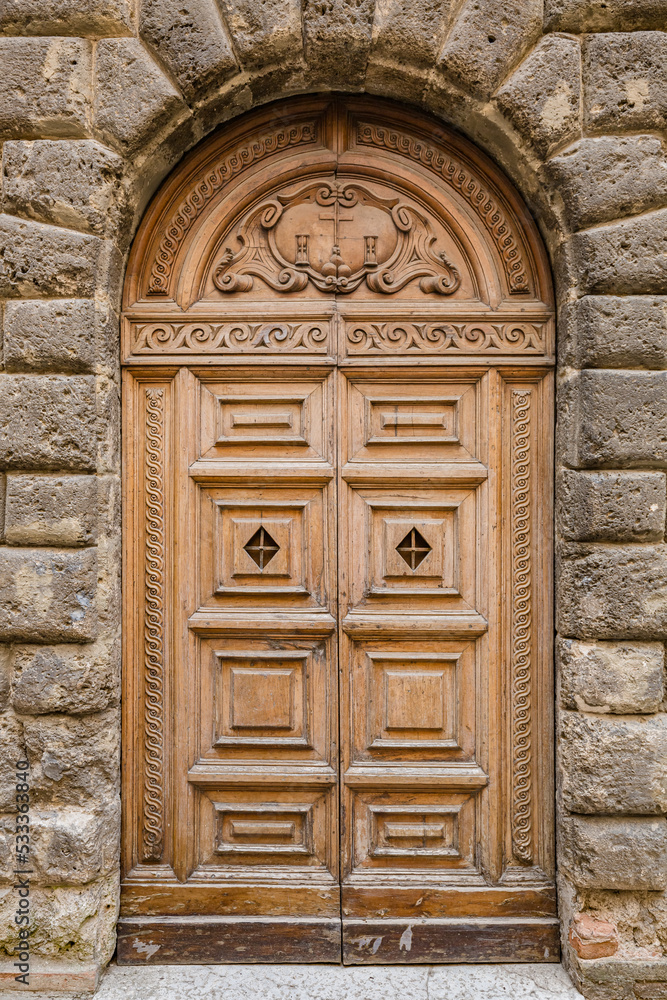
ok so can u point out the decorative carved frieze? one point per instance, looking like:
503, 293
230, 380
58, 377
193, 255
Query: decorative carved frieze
454, 173
153, 797
226, 338
521, 680
446, 338
210, 184
336, 235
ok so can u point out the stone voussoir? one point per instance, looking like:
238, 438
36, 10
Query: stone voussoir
611, 506
615, 852
614, 331
613, 765
618, 678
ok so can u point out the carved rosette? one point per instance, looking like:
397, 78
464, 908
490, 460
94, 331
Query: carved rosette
467, 184
521, 681
179, 224
153, 800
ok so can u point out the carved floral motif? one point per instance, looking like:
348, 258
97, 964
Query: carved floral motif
443, 338
196, 200
292, 240
522, 819
153, 812
214, 338
455, 174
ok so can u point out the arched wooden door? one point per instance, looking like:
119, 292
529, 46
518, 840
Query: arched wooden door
338, 347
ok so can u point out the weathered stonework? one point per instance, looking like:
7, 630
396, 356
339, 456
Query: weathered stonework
100, 99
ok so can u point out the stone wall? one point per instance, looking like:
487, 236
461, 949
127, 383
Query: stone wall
100, 98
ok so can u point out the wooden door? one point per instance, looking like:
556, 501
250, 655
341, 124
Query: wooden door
338, 351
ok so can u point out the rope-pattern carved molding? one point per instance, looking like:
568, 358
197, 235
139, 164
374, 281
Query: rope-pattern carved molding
522, 819
196, 200
153, 813
445, 338
453, 173
225, 338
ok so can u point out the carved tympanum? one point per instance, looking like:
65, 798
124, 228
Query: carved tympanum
336, 235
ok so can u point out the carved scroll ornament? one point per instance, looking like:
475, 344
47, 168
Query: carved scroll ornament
292, 240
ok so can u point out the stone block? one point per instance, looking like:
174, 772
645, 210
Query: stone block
74, 846
57, 335
411, 32
606, 178
66, 17
611, 506
614, 852
621, 678
543, 96
73, 760
6, 668
625, 258
338, 39
3, 493
612, 592
188, 35
47, 595
625, 84
265, 34
613, 764
67, 182
73, 679
609, 331
12, 749
47, 422
603, 15
51, 510
614, 418
487, 40
45, 261
46, 87
133, 97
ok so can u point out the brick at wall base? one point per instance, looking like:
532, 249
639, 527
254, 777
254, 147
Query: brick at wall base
619, 979
52, 977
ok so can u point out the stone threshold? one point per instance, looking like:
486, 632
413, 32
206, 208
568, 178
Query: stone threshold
296, 982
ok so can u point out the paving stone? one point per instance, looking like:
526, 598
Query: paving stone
626, 258
611, 506
612, 592
46, 87
66, 17
603, 15
265, 33
338, 36
610, 177
40, 261
543, 96
614, 418
189, 37
51, 510
67, 182
47, 422
410, 32
609, 331
77, 679
133, 97
613, 852
487, 40
621, 678
613, 764
50, 336
47, 595
625, 83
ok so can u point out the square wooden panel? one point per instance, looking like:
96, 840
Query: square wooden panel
413, 830
269, 699
412, 548
412, 700
417, 422
264, 547
273, 826
277, 419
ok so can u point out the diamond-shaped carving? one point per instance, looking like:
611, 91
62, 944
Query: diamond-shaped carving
261, 548
414, 548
